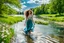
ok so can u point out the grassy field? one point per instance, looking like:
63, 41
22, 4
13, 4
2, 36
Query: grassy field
11, 19
52, 17
42, 22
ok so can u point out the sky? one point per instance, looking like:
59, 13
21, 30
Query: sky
27, 4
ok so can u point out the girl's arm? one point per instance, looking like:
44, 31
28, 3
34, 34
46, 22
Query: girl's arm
25, 21
33, 20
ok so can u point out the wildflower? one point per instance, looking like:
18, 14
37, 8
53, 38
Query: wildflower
5, 36
3, 30
2, 41
2, 34
7, 32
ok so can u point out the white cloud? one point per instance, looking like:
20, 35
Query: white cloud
38, 1
42, 1
31, 1
23, 3
23, 6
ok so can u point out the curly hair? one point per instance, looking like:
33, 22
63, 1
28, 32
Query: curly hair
27, 13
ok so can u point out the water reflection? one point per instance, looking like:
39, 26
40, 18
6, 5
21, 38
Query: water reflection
29, 39
54, 30
59, 32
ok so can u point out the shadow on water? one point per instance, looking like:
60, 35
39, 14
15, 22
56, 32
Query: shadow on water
51, 30
29, 39
58, 32
54, 30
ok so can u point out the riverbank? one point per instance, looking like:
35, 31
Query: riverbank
40, 21
11, 19
57, 23
54, 17
6, 32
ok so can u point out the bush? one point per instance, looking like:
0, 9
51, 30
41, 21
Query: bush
6, 33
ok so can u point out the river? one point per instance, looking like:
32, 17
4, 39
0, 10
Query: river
51, 32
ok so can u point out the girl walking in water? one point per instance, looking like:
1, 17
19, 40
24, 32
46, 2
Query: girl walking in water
29, 23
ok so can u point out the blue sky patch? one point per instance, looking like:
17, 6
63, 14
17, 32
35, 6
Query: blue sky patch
27, 4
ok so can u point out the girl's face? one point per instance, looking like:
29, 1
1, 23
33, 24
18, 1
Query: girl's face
30, 12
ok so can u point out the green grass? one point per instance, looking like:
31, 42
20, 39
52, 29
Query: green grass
52, 17
11, 19
48, 15
58, 19
41, 22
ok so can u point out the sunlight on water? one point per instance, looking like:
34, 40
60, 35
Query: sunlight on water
41, 33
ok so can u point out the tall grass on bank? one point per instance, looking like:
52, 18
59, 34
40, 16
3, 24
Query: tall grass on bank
42, 22
6, 33
52, 17
11, 19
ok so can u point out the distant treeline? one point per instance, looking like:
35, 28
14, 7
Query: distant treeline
53, 7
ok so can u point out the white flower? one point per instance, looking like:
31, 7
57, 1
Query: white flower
7, 32
3, 30
3, 27
7, 26
5, 36
2, 41
4, 24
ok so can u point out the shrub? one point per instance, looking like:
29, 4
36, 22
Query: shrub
6, 33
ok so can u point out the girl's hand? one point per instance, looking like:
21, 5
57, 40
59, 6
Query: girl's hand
24, 24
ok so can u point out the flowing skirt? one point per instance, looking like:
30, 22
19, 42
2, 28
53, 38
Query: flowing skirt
29, 28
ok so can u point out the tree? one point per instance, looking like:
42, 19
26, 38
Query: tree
5, 9
46, 9
36, 10
57, 6
43, 9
